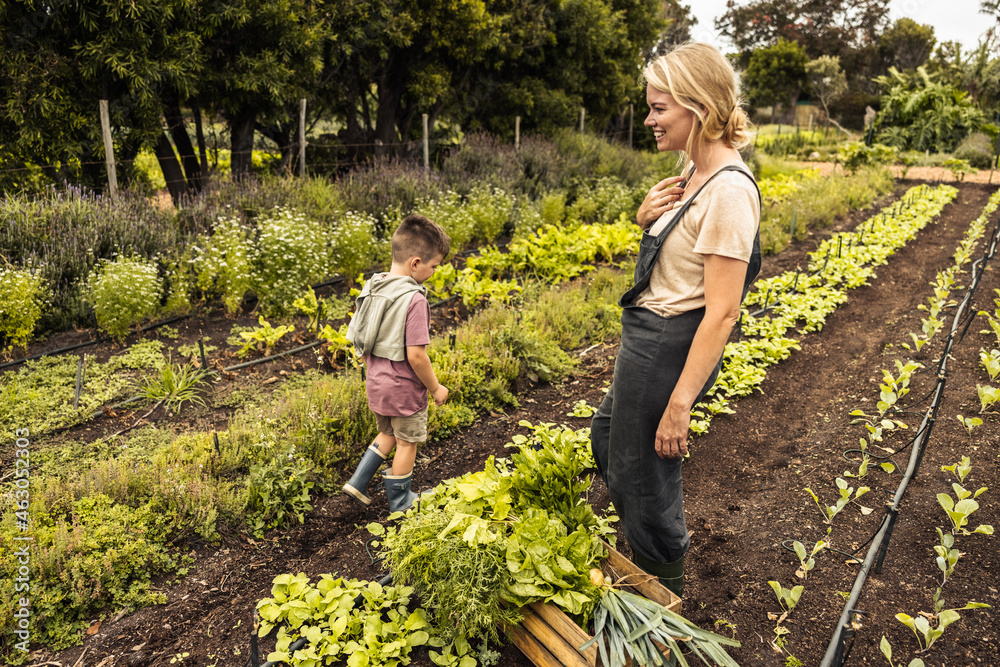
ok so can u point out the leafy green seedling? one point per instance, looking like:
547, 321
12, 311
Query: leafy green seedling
994, 323
807, 561
962, 469
969, 422
266, 336
787, 597
921, 625
947, 557
175, 385
581, 409
987, 396
959, 512
991, 362
830, 511
886, 648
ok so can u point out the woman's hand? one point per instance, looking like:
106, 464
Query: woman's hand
660, 199
672, 433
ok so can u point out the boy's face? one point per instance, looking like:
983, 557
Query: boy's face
421, 270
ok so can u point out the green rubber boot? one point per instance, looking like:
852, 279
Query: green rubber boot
358, 484
671, 575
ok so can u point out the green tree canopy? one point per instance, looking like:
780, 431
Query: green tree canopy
907, 44
776, 74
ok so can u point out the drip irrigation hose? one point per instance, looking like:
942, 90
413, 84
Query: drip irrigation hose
87, 343
834, 656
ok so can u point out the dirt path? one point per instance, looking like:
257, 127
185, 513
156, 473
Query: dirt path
931, 174
743, 489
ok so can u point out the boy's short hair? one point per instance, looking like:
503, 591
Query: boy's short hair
421, 237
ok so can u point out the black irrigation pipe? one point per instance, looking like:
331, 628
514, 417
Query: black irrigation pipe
848, 623
95, 341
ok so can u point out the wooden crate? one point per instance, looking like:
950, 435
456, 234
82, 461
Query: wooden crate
550, 638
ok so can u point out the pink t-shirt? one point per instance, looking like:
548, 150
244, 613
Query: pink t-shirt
394, 390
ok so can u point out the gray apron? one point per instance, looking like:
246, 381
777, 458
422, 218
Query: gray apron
645, 489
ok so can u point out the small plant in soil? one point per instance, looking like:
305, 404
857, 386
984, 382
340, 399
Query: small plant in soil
787, 597
174, 385
947, 557
969, 423
830, 511
991, 362
807, 560
886, 649
263, 338
581, 409
926, 633
987, 396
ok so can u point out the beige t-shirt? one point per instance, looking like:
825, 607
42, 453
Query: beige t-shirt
722, 220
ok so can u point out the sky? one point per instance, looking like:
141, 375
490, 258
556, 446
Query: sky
953, 20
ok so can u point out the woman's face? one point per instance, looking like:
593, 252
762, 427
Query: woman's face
671, 123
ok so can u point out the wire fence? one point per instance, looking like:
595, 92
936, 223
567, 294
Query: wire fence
293, 156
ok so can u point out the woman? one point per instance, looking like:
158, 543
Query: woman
699, 252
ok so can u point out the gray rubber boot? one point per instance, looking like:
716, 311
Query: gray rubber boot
397, 489
671, 575
358, 484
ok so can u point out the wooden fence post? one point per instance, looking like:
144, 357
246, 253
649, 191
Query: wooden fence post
517, 133
631, 122
583, 112
427, 146
302, 137
109, 149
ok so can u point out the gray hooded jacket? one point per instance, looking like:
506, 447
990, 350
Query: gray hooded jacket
379, 323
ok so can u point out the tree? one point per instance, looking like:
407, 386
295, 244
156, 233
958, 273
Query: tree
921, 113
822, 27
60, 58
826, 80
907, 44
776, 75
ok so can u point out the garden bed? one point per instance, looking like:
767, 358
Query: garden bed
744, 496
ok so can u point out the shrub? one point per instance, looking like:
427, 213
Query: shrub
588, 157
22, 294
124, 292
855, 155
63, 235
279, 491
603, 202
386, 188
292, 251
355, 245
482, 159
977, 150
223, 263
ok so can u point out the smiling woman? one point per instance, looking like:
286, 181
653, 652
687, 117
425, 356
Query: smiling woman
694, 267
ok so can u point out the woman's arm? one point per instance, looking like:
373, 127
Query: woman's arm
724, 278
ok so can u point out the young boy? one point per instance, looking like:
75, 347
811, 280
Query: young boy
391, 330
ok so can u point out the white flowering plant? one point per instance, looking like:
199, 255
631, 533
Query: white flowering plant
291, 252
222, 263
124, 292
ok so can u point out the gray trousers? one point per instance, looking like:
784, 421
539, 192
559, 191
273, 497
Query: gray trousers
645, 489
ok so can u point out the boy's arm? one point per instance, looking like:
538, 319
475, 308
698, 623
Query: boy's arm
421, 365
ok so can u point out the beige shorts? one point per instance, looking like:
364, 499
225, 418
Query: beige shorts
411, 428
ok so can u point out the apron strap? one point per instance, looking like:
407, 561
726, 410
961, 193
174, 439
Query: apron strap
650, 249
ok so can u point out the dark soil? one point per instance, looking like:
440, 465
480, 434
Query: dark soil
744, 494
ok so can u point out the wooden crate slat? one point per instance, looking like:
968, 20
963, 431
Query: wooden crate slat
538, 654
553, 641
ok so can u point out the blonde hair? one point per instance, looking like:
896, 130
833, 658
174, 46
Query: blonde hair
702, 81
